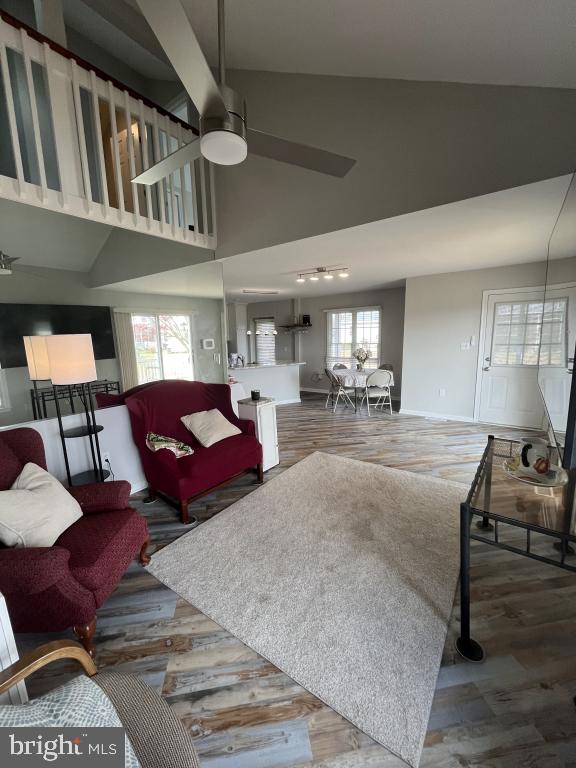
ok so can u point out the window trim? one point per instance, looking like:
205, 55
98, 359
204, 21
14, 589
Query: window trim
156, 315
354, 310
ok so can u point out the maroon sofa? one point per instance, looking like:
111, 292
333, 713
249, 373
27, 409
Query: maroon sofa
49, 589
158, 408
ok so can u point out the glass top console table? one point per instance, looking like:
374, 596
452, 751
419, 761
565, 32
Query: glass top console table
530, 520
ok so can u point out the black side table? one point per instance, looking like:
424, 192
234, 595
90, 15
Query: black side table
507, 513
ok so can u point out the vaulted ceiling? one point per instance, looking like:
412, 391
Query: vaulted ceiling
501, 42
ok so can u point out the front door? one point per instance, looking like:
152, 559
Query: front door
509, 380
520, 330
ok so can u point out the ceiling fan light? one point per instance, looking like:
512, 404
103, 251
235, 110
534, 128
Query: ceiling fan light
314, 278
328, 277
223, 147
300, 279
344, 273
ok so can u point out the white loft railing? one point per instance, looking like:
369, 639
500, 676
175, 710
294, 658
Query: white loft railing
72, 139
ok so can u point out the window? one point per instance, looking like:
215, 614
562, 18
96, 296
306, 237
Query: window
265, 340
163, 347
528, 331
349, 329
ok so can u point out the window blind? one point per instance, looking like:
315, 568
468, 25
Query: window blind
265, 340
349, 329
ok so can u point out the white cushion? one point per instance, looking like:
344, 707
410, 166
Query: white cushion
209, 427
36, 510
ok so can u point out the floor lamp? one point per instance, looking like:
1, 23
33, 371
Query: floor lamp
38, 365
71, 362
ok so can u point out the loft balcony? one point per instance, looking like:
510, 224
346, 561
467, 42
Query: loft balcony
72, 138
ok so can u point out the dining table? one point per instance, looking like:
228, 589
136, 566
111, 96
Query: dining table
357, 380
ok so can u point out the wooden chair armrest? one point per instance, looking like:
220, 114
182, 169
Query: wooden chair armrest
38, 658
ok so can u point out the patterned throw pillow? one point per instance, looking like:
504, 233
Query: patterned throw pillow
79, 703
157, 442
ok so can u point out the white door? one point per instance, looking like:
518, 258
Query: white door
557, 350
521, 330
509, 391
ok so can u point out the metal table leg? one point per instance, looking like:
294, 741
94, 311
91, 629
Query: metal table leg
485, 524
467, 648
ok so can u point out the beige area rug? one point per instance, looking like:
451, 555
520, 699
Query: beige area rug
342, 574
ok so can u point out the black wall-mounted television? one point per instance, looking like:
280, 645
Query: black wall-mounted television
19, 320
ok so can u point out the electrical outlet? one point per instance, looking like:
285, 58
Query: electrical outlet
106, 458
441, 392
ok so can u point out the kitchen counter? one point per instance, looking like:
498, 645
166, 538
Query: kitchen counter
280, 381
281, 364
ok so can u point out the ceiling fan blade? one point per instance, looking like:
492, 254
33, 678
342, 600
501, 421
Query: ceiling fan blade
292, 152
169, 164
172, 27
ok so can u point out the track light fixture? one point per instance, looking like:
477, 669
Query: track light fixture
328, 274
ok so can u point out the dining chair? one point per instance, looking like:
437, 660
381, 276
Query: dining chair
386, 367
378, 385
337, 390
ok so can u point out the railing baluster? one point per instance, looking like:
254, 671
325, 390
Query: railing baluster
48, 66
131, 163
195, 208
99, 142
214, 230
81, 136
170, 178
34, 109
12, 122
158, 154
184, 196
115, 150
204, 196
145, 164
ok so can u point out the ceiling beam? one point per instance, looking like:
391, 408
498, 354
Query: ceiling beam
131, 22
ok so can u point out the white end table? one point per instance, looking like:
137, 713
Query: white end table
8, 655
263, 413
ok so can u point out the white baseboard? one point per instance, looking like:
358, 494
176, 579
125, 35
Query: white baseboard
432, 415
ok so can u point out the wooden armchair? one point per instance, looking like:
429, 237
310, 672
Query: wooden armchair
157, 736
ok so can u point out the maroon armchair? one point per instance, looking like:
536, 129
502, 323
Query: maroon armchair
49, 589
158, 408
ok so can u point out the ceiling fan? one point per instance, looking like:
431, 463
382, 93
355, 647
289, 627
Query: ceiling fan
224, 137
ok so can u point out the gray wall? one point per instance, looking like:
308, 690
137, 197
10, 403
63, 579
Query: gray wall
313, 343
442, 311
127, 254
417, 145
50, 286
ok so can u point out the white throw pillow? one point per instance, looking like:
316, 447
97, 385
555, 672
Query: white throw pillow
209, 427
36, 510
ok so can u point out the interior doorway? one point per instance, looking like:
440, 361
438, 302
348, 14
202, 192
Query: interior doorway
519, 330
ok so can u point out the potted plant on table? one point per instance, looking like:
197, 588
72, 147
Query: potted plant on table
361, 355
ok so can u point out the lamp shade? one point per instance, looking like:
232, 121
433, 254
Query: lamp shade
71, 358
37, 357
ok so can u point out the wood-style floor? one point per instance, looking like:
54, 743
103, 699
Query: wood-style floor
515, 710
